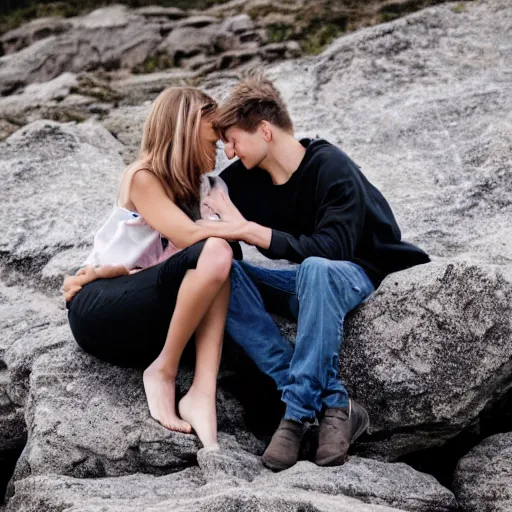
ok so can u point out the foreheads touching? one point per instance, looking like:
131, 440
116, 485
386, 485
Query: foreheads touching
245, 121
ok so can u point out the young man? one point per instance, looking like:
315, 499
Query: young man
307, 202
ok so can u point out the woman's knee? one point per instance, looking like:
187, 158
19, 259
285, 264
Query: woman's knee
219, 258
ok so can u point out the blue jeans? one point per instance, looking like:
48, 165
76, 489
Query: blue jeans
318, 294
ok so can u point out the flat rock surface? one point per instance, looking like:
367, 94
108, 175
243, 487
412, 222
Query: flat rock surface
361, 485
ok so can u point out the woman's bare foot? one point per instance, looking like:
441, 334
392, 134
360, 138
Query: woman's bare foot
160, 393
199, 409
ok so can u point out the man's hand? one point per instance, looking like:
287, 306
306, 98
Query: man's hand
221, 204
229, 230
233, 225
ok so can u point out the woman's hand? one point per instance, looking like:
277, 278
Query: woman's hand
73, 284
220, 203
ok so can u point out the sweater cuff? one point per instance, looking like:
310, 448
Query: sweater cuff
278, 244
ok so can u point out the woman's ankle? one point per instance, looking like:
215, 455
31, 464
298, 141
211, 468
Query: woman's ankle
162, 367
203, 390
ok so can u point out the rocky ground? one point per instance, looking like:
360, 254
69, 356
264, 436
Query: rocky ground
423, 104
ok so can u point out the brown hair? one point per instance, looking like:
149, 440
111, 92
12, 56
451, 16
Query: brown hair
171, 147
253, 100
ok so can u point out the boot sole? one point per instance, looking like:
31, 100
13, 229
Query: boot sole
274, 465
336, 460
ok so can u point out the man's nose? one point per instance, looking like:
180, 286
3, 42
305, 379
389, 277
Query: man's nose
229, 150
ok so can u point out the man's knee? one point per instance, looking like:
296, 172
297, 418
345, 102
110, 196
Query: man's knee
317, 265
321, 274
315, 269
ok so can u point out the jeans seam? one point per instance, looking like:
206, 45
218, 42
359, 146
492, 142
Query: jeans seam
291, 294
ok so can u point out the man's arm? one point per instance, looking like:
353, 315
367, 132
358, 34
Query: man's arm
258, 235
339, 219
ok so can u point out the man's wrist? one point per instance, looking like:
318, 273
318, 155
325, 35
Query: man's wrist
245, 231
256, 234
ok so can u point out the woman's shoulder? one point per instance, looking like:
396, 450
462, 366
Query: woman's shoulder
143, 177
141, 181
123, 197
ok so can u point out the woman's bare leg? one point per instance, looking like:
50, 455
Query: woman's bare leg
195, 297
198, 406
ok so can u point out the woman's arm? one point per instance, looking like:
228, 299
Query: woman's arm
163, 215
73, 284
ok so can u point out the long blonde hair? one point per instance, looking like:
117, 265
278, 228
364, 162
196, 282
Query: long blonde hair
171, 146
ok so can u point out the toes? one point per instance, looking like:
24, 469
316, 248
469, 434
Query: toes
177, 425
186, 428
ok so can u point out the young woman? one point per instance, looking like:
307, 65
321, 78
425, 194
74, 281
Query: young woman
132, 317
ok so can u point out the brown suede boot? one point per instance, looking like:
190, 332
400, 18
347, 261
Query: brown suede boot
283, 450
338, 429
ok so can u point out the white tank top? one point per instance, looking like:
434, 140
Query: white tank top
126, 239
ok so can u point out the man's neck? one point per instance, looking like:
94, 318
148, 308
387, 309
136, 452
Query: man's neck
285, 158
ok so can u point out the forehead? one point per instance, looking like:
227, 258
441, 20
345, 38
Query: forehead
207, 129
235, 133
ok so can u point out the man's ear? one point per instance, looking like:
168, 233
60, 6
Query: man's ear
266, 129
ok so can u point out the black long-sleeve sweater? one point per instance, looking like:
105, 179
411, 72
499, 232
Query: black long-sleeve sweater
327, 208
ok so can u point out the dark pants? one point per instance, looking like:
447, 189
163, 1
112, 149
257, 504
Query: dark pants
124, 320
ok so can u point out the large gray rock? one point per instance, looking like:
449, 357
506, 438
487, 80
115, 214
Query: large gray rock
29, 325
423, 104
483, 478
188, 41
429, 351
126, 124
108, 38
87, 419
222, 483
396, 485
135, 493
48, 100
59, 182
